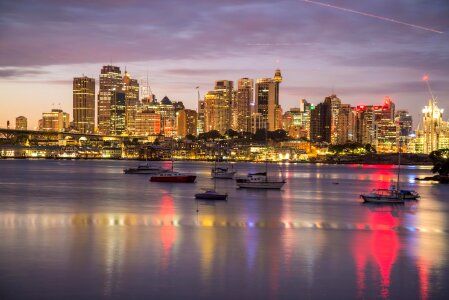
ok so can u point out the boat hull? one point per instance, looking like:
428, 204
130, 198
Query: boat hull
174, 179
383, 200
211, 196
227, 175
275, 185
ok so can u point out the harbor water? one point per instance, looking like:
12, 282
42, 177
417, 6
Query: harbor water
79, 229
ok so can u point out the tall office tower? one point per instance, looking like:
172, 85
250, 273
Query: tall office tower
167, 109
385, 136
56, 120
84, 104
131, 89
267, 100
110, 80
335, 104
217, 107
148, 122
405, 122
362, 124
344, 126
21, 123
321, 122
186, 122
200, 122
118, 112
242, 109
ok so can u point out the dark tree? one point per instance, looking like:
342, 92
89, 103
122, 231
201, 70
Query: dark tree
440, 160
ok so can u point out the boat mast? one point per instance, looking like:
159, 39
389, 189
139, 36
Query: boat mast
399, 164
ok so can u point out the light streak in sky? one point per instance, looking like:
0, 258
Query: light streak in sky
373, 16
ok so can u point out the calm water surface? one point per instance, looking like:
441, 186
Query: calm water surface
84, 230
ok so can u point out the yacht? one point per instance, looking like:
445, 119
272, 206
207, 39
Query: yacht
383, 196
211, 195
171, 176
222, 173
259, 181
144, 169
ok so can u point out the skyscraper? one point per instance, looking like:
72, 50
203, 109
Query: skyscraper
217, 107
84, 104
243, 101
110, 81
118, 112
131, 89
186, 122
267, 100
321, 122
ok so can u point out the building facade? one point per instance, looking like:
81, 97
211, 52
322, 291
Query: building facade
186, 122
217, 107
84, 104
21, 123
110, 81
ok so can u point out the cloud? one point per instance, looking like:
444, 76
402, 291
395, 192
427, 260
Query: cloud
10, 72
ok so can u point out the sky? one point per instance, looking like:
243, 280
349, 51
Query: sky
361, 51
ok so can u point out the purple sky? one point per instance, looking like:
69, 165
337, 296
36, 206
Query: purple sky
183, 44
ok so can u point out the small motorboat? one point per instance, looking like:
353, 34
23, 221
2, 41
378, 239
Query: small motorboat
409, 194
211, 195
259, 181
383, 196
222, 173
144, 169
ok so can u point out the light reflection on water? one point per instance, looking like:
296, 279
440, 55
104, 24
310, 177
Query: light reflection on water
82, 229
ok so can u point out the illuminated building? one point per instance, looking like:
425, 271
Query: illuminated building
267, 100
335, 104
186, 122
147, 122
344, 126
84, 104
167, 109
21, 123
110, 81
131, 89
296, 121
405, 122
321, 122
217, 107
385, 136
200, 122
257, 122
118, 112
434, 133
56, 120
242, 108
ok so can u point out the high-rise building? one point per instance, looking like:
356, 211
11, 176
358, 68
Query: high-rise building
385, 136
200, 122
242, 108
56, 120
21, 123
217, 107
321, 122
433, 134
267, 100
335, 104
84, 104
405, 122
118, 112
186, 122
110, 81
344, 126
131, 89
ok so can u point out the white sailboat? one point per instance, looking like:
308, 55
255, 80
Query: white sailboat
221, 172
260, 180
393, 194
212, 194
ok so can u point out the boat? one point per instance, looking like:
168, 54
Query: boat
383, 196
410, 194
172, 176
144, 169
393, 194
211, 195
222, 173
259, 181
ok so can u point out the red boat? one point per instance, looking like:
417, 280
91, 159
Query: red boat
173, 177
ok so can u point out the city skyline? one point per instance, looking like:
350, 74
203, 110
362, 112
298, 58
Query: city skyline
360, 59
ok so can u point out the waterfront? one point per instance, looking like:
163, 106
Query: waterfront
84, 230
